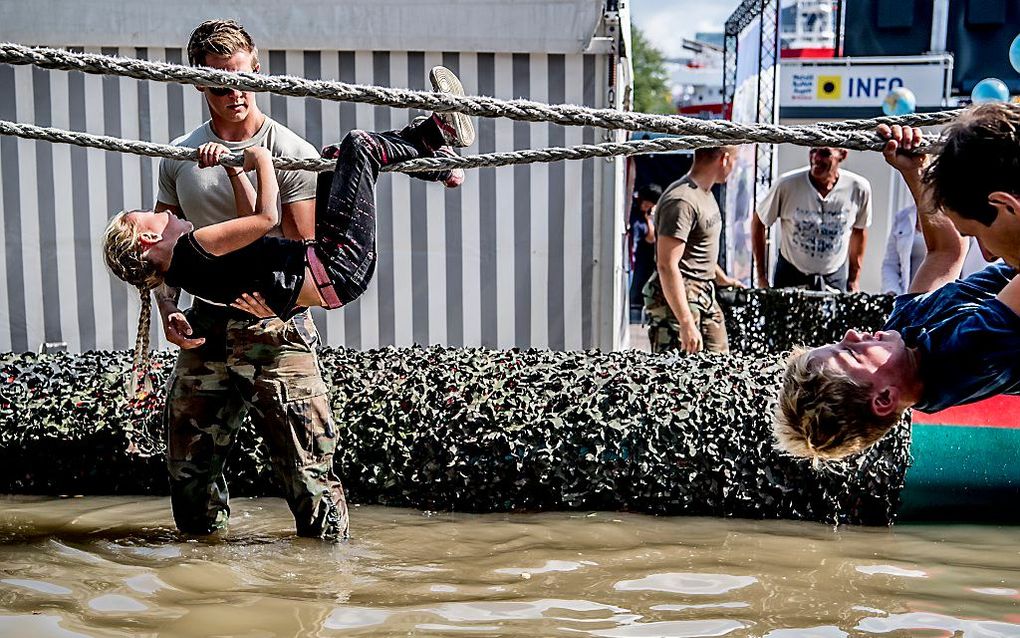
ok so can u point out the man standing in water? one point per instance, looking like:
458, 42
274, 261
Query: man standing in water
231, 363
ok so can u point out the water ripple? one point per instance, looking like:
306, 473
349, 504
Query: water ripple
37, 585
673, 629
687, 583
949, 624
891, 570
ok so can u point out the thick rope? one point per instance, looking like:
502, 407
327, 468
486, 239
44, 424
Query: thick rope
934, 118
490, 160
724, 131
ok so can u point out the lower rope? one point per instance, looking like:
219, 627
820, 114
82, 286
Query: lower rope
489, 160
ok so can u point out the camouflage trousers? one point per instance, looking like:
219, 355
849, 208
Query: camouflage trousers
663, 328
266, 368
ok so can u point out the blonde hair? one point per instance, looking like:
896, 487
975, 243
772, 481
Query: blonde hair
823, 414
220, 37
124, 255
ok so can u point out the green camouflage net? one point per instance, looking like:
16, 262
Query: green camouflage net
772, 321
473, 430
485, 430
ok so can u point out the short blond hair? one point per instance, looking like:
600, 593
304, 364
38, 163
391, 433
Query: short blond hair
823, 414
220, 37
125, 257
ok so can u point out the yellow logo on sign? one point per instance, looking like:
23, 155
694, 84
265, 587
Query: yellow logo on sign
830, 87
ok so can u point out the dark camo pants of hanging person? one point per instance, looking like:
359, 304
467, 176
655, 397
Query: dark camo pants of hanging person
345, 213
269, 369
663, 328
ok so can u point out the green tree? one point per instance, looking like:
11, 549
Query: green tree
651, 86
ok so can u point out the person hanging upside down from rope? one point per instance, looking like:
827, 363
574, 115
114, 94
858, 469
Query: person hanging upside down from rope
221, 262
947, 342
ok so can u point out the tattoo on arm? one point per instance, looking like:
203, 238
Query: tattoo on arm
167, 293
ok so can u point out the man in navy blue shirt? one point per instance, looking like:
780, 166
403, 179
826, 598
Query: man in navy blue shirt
947, 341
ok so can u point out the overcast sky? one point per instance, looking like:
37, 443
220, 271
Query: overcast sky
667, 22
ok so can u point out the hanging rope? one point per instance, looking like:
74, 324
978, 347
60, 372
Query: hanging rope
531, 156
722, 131
935, 118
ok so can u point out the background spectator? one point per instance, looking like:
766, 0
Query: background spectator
824, 213
905, 251
682, 310
642, 244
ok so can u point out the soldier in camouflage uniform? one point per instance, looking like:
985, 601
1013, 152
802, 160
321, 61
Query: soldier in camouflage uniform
682, 310
232, 363
663, 327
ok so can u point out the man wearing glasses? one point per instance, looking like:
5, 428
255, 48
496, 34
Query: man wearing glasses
230, 362
824, 213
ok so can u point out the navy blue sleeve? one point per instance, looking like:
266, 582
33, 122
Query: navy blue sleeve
968, 341
987, 282
972, 355
640, 229
924, 310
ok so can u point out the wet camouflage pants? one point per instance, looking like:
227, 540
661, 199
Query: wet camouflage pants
268, 369
663, 328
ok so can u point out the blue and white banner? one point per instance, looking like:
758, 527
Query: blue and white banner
864, 81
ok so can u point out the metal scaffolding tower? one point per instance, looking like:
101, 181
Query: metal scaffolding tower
767, 54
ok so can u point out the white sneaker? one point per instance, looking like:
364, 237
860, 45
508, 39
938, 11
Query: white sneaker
456, 127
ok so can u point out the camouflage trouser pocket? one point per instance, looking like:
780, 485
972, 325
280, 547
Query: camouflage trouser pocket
301, 330
708, 314
700, 295
664, 330
663, 338
301, 451
308, 410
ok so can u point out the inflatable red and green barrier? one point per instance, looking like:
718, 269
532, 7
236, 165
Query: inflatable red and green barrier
966, 463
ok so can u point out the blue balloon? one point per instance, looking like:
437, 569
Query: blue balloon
900, 101
989, 90
1014, 53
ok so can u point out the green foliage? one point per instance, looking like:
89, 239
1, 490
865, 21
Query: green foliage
486, 430
651, 81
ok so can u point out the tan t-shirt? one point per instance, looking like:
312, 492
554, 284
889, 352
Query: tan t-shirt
691, 214
204, 195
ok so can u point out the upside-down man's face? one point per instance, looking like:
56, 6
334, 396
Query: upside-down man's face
878, 360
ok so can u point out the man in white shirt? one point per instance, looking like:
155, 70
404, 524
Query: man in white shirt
824, 213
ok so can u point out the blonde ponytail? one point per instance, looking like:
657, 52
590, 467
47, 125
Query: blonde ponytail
140, 385
124, 256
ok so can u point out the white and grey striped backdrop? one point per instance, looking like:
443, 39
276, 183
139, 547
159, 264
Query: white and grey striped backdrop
518, 256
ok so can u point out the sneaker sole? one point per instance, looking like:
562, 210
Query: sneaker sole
445, 81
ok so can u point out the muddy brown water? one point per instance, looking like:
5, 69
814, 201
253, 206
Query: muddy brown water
114, 566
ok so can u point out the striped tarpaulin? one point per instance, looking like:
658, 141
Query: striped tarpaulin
516, 257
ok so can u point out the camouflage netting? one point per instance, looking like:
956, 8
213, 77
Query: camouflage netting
475, 430
774, 321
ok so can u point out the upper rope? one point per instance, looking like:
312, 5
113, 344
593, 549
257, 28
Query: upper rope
721, 132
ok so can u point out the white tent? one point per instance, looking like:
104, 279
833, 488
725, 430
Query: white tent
527, 256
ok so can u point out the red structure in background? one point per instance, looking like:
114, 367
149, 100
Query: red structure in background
811, 53
807, 29
704, 111
1002, 411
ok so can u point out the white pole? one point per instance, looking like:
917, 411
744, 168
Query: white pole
939, 25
